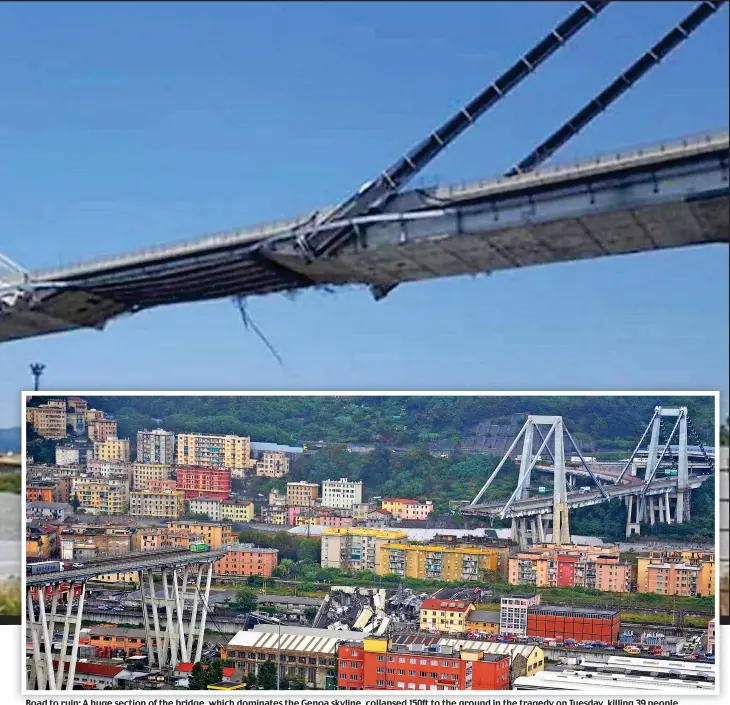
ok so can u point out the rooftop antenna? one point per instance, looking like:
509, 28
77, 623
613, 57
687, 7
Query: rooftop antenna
36, 369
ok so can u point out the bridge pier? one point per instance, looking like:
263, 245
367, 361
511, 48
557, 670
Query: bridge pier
633, 525
41, 675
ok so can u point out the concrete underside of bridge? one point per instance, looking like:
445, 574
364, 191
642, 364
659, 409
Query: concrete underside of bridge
663, 198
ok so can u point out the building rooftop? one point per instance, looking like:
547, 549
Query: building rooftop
301, 639
445, 605
574, 610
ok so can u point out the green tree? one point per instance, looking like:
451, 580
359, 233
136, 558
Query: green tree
75, 502
297, 682
250, 681
245, 600
198, 678
267, 676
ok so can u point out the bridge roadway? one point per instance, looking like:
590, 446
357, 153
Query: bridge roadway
124, 563
544, 505
671, 195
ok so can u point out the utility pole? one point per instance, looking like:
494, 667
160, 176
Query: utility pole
36, 369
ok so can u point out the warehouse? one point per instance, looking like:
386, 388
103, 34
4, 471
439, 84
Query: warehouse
601, 683
579, 623
309, 653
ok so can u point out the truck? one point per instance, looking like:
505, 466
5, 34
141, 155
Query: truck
542, 490
199, 547
44, 567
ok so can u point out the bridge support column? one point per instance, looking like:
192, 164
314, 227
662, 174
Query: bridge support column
561, 527
540, 529
652, 510
632, 516
42, 675
668, 507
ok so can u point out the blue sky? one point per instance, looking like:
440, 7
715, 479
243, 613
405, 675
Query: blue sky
126, 125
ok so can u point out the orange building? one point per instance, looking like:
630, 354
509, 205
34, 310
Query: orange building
111, 641
215, 533
153, 539
380, 664
579, 623
102, 430
243, 559
41, 491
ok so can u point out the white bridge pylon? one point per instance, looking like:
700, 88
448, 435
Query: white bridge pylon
537, 524
185, 595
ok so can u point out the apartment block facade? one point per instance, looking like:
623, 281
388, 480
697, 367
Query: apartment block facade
101, 496
684, 573
102, 430
302, 494
112, 449
244, 559
48, 420
407, 509
272, 464
67, 455
341, 494
215, 534
167, 504
208, 450
143, 473
355, 548
210, 482
237, 512
437, 562
210, 507
157, 446
445, 615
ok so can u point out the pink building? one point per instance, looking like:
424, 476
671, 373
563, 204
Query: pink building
160, 485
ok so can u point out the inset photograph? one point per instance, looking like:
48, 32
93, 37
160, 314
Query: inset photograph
420, 543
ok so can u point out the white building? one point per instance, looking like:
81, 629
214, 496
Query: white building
513, 613
341, 494
204, 505
66, 455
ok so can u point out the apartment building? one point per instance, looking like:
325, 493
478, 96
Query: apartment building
153, 539
215, 534
81, 540
301, 516
244, 559
101, 496
237, 512
301, 494
107, 468
157, 446
341, 494
407, 509
210, 482
67, 455
112, 449
77, 405
102, 430
77, 421
166, 504
48, 420
681, 573
445, 615
160, 485
513, 613
41, 542
355, 548
209, 507
41, 491
276, 515
143, 473
437, 562
276, 498
272, 464
379, 663
572, 566
207, 450
93, 415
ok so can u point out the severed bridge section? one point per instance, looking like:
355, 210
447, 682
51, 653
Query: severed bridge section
663, 494
185, 578
666, 196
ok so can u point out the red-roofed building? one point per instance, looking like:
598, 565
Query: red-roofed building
407, 509
94, 676
445, 615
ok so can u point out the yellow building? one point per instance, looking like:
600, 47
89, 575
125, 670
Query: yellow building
301, 494
166, 504
48, 420
101, 495
273, 464
483, 621
207, 450
130, 578
445, 615
437, 562
112, 449
274, 514
39, 542
216, 533
677, 572
353, 548
241, 513
142, 473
